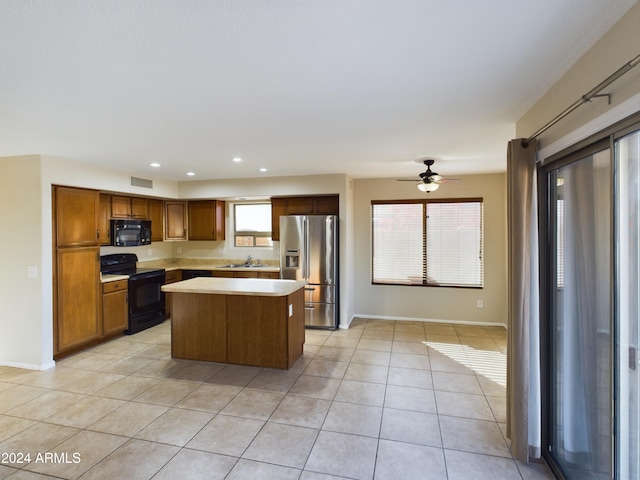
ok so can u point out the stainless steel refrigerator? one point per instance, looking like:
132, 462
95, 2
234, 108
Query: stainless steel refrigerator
309, 251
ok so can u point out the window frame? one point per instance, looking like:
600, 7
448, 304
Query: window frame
424, 203
255, 234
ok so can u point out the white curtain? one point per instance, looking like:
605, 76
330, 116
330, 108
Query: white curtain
523, 351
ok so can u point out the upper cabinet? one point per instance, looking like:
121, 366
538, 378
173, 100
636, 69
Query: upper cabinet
175, 220
206, 220
76, 217
104, 219
156, 215
121, 206
129, 207
301, 205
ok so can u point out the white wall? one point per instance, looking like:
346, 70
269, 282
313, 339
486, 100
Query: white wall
434, 303
24, 335
617, 47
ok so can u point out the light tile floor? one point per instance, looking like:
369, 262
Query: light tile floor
382, 400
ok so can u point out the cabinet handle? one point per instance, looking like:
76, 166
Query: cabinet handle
98, 234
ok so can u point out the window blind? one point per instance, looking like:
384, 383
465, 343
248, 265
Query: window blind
428, 243
454, 243
398, 253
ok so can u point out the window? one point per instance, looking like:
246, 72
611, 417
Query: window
252, 225
424, 242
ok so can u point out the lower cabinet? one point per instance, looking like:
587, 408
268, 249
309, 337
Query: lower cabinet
171, 276
115, 307
245, 274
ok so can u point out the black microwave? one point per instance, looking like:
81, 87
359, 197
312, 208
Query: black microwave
130, 232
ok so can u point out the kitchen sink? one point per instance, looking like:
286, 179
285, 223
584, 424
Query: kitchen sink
242, 265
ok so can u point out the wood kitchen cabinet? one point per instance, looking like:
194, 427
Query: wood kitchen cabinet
77, 316
104, 219
115, 308
76, 217
278, 208
175, 220
171, 276
206, 220
129, 207
245, 274
156, 215
301, 205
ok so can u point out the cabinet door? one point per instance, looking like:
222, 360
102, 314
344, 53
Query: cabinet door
206, 220
76, 217
170, 277
326, 204
271, 275
120, 206
104, 219
115, 312
299, 205
78, 297
278, 208
245, 274
139, 208
156, 215
176, 220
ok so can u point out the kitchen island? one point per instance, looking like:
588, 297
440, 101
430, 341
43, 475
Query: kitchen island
243, 321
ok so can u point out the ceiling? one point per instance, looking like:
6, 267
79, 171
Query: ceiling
366, 88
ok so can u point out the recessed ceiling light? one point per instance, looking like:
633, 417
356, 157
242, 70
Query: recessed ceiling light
236, 159
155, 165
262, 169
190, 174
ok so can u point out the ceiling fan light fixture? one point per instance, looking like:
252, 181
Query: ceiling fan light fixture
428, 187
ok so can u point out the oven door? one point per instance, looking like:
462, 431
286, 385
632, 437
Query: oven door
146, 300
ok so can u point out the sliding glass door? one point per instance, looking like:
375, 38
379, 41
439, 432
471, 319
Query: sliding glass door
590, 283
579, 315
627, 302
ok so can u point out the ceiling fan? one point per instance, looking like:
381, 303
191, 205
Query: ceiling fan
429, 180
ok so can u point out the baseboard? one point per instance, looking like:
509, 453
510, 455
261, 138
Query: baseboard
28, 366
429, 320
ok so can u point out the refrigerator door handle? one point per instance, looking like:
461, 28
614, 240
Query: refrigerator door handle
307, 249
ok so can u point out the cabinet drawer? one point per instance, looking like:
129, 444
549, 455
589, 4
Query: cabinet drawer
116, 286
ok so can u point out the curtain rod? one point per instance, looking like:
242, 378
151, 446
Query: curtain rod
586, 97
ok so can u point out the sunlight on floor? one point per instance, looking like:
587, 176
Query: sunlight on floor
489, 364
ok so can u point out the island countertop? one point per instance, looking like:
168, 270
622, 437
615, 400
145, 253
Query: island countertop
235, 286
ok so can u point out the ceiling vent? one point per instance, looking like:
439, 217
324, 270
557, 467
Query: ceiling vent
141, 182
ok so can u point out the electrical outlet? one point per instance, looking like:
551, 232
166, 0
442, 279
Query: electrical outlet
32, 271
179, 249
479, 304
150, 252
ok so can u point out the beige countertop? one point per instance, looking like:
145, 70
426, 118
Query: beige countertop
109, 277
196, 264
235, 286
265, 268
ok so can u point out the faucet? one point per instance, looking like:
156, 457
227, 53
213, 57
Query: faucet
248, 262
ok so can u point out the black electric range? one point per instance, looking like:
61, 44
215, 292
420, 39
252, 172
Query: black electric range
146, 300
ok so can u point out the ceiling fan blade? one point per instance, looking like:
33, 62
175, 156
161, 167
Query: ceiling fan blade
449, 180
415, 180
